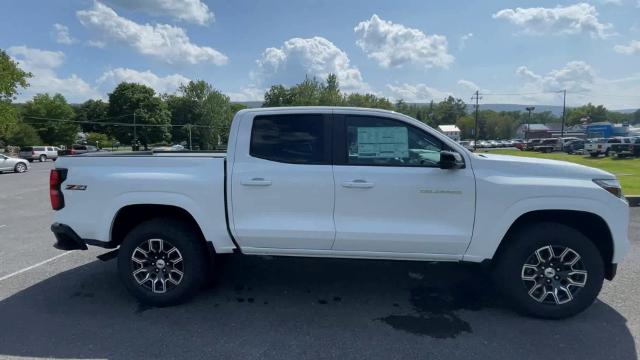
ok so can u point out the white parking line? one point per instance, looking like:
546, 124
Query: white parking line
34, 266
1, 226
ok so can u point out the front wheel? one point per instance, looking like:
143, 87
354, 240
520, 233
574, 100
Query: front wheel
549, 270
20, 167
163, 262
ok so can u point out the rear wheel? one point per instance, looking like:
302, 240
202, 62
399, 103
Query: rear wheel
549, 270
42, 158
594, 154
163, 262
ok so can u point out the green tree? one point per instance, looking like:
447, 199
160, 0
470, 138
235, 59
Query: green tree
367, 100
99, 139
12, 78
330, 92
93, 111
277, 95
22, 135
128, 99
591, 112
449, 111
51, 116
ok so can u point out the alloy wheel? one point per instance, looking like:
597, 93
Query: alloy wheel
554, 274
157, 265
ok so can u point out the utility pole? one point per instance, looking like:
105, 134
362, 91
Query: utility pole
564, 111
189, 129
477, 98
529, 109
135, 134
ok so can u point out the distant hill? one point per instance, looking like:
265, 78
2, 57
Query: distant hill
555, 109
249, 104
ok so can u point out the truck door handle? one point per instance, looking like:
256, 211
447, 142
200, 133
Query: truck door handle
257, 181
358, 183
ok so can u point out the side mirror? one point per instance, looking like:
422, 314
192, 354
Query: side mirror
450, 160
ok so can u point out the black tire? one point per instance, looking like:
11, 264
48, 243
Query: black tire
30, 160
191, 249
42, 158
20, 167
508, 271
594, 154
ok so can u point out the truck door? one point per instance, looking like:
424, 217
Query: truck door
282, 183
391, 195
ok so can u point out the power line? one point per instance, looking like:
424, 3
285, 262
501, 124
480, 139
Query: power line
107, 123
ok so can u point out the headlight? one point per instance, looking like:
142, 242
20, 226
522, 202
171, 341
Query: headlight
611, 185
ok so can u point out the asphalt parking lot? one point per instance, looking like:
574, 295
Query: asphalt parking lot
70, 305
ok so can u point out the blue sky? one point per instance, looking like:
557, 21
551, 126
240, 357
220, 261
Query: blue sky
414, 50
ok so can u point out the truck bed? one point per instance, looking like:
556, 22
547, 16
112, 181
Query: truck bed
99, 185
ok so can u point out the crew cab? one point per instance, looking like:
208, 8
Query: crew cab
603, 146
623, 149
345, 183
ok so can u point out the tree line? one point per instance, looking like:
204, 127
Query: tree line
197, 108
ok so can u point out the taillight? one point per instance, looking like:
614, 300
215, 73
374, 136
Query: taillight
33, 152
56, 178
72, 152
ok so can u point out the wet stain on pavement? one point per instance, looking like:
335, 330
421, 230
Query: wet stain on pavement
436, 309
142, 308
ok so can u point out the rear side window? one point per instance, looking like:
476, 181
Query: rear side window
293, 139
38, 148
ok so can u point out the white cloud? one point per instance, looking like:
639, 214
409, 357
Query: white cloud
42, 64
631, 49
315, 56
167, 84
96, 44
575, 76
165, 42
416, 92
247, 94
572, 19
193, 11
63, 36
395, 45
468, 85
611, 2
462, 43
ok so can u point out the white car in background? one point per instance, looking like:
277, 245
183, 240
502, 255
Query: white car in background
8, 163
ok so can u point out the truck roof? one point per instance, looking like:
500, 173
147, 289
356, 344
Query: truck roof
322, 109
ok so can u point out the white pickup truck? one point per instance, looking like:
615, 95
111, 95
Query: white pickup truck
348, 183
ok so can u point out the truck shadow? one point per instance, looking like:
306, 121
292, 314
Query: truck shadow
263, 307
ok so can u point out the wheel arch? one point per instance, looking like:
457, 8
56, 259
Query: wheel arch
591, 225
129, 216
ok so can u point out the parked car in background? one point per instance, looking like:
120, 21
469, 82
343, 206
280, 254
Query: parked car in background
8, 163
467, 144
553, 144
624, 150
531, 143
574, 146
518, 143
603, 146
78, 149
548, 145
40, 153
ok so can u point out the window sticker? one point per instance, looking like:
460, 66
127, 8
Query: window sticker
383, 142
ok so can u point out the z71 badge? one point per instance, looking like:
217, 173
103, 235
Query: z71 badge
76, 187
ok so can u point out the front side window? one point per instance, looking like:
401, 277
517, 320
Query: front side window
293, 139
380, 141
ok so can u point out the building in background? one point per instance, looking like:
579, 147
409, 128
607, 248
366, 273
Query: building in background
606, 129
451, 131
